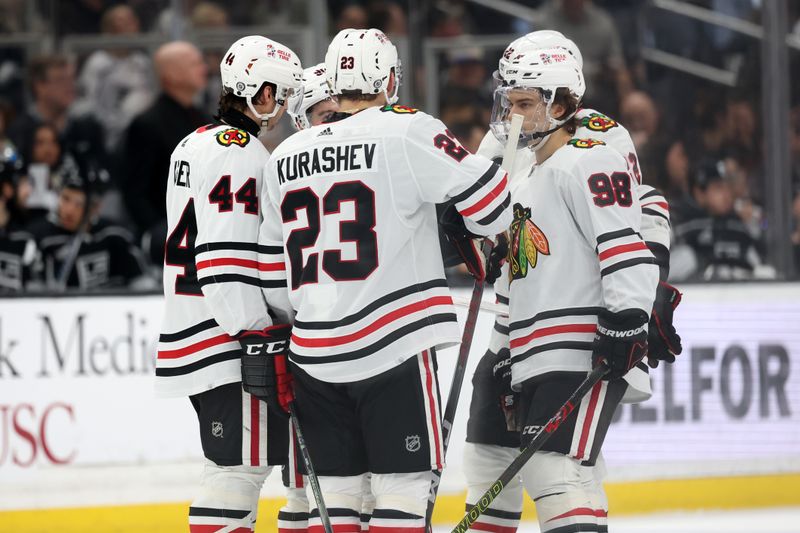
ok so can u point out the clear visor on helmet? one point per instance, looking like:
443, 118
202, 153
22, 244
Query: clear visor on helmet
533, 103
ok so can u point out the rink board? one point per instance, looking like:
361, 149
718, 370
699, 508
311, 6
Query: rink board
79, 426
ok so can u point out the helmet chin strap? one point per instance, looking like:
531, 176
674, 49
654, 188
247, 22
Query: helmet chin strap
538, 139
265, 117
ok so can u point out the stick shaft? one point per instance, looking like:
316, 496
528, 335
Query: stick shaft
312, 475
458, 379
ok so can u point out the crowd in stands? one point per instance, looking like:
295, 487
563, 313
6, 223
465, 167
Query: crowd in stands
85, 141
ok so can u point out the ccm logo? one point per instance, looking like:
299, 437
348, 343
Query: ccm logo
267, 348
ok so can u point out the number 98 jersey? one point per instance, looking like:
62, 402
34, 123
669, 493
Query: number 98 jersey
575, 248
216, 276
353, 203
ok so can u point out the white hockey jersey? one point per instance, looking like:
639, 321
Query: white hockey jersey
216, 276
575, 249
353, 203
654, 229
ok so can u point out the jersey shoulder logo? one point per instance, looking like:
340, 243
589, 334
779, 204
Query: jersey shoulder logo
585, 143
231, 136
399, 109
527, 242
598, 122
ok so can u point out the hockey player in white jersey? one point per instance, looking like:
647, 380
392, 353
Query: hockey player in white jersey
576, 218
219, 283
353, 203
492, 440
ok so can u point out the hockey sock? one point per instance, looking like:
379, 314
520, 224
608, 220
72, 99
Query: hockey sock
293, 517
395, 521
228, 499
483, 463
343, 499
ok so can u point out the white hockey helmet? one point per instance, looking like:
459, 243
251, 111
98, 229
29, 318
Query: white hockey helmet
545, 39
363, 60
254, 60
315, 89
544, 70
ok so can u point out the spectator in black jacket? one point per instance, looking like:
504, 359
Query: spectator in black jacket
153, 135
722, 245
78, 249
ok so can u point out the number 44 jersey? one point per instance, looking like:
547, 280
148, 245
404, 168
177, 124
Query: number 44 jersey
353, 202
217, 279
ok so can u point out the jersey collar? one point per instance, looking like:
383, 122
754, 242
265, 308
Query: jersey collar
237, 119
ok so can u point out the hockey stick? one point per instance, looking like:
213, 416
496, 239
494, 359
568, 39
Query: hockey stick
312, 475
458, 380
544, 433
453, 395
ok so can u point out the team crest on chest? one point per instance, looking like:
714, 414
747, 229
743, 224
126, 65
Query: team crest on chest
233, 136
585, 143
527, 242
598, 122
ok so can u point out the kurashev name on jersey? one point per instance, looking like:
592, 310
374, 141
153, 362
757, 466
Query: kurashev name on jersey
341, 158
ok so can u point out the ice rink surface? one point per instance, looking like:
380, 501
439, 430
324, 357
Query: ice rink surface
772, 520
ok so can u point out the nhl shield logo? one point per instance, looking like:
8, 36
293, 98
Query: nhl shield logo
413, 443
216, 429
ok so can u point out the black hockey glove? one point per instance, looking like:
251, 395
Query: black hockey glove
481, 259
620, 341
265, 369
501, 369
664, 342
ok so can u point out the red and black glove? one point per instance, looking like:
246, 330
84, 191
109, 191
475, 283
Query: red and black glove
265, 368
620, 341
664, 342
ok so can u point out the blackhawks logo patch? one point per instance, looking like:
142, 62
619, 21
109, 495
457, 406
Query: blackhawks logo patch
585, 143
598, 122
399, 109
527, 242
233, 136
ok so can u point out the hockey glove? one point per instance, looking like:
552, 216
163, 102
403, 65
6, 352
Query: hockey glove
265, 369
664, 342
501, 369
620, 341
482, 260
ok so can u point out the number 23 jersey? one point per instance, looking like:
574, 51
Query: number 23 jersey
353, 202
575, 247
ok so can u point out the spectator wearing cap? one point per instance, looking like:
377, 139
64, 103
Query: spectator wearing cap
80, 250
151, 137
723, 247
17, 247
116, 83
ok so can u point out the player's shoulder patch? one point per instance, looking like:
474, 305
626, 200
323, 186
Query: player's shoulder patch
233, 136
585, 143
598, 122
399, 109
